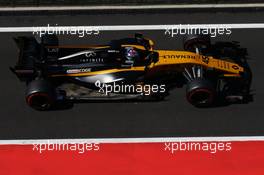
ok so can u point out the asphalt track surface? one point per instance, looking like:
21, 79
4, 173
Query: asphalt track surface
171, 118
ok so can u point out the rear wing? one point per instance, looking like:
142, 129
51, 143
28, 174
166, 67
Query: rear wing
29, 53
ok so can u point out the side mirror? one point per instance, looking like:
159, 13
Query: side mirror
154, 57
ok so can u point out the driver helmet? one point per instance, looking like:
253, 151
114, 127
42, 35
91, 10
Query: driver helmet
131, 53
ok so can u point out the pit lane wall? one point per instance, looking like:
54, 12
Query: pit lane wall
18, 3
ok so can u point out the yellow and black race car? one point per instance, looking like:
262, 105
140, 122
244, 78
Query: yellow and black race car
131, 68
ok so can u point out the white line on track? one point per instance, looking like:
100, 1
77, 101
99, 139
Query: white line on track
131, 27
134, 140
134, 7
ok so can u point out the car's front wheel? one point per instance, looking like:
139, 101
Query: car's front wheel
200, 92
197, 43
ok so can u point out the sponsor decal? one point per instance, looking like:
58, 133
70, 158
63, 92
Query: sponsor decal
178, 56
92, 60
113, 51
53, 50
235, 67
75, 71
90, 54
205, 59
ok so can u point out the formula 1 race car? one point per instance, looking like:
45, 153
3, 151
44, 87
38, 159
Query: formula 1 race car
131, 68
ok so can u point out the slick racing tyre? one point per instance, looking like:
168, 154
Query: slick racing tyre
200, 93
191, 42
40, 95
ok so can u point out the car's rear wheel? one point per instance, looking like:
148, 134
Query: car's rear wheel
40, 95
200, 93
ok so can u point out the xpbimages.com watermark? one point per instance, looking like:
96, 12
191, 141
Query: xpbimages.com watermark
80, 31
80, 148
145, 89
211, 147
188, 29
